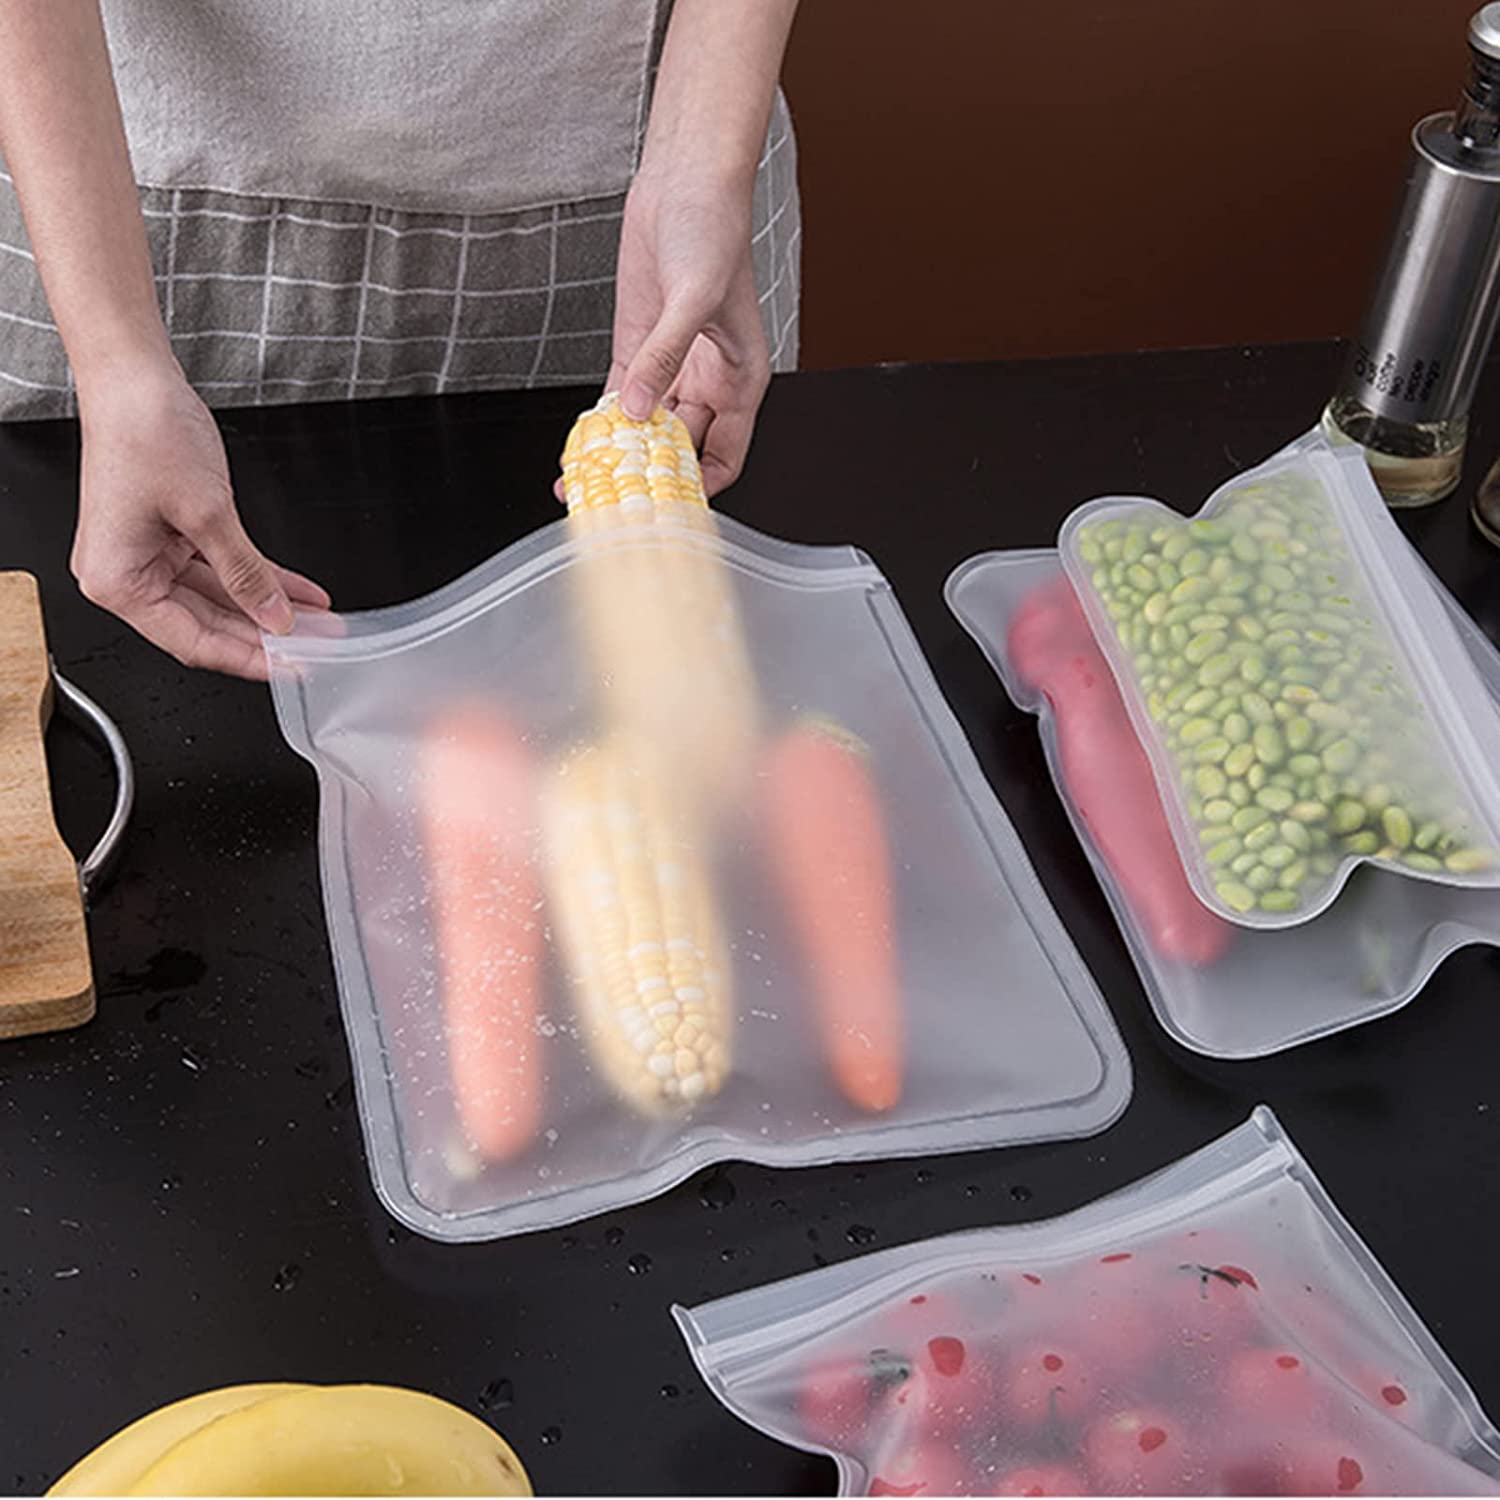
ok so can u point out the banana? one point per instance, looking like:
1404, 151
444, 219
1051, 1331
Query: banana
119, 1461
339, 1440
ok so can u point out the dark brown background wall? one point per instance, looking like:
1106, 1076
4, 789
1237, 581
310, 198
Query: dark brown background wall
1026, 177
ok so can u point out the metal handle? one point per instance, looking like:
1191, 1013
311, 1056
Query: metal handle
95, 866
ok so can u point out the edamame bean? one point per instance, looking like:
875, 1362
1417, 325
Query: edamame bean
1470, 861
1341, 757
1269, 746
1256, 708
1396, 822
1258, 838
1203, 645
1209, 781
1249, 817
1307, 812
1236, 896
1239, 760
1224, 851
1216, 669
1296, 835
1348, 816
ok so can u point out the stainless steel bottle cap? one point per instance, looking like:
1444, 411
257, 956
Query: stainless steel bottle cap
1484, 31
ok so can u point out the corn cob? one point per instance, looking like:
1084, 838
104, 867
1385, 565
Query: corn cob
656, 604
635, 916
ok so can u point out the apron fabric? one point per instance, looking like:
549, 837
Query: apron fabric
280, 296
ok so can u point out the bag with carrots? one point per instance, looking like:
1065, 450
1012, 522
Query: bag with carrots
1220, 988
1216, 1329
650, 843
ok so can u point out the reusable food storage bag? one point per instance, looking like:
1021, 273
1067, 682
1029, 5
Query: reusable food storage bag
645, 846
1215, 1329
1304, 698
1219, 986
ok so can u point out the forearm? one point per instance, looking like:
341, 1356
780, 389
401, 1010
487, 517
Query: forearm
64, 146
718, 75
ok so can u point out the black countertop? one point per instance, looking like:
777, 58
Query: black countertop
183, 1195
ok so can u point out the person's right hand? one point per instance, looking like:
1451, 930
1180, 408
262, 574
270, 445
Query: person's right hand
159, 541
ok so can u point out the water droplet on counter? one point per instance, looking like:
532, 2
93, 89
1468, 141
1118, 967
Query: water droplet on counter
670, 1391
392, 1235
1021, 1194
337, 1098
924, 1175
638, 1264
497, 1395
550, 1435
859, 1234
716, 1190
287, 1277
192, 1061
728, 1253
972, 1191
614, 1235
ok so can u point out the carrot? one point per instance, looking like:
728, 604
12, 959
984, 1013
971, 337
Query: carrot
828, 854
1108, 775
479, 833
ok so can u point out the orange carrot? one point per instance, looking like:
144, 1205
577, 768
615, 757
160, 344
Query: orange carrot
479, 831
828, 853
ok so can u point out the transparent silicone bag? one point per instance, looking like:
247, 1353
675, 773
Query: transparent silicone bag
1218, 987
1304, 698
1215, 1329
649, 846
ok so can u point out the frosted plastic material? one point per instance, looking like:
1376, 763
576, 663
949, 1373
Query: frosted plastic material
1215, 1329
1002, 1036
1234, 991
1289, 637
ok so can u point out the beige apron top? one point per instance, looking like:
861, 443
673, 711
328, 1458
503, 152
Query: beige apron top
440, 106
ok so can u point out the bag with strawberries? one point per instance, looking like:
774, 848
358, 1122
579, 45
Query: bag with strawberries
1216, 1329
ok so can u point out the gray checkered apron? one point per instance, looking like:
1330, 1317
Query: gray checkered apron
274, 299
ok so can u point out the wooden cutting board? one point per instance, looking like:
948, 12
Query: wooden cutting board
46, 982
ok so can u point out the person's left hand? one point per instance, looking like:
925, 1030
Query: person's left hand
688, 332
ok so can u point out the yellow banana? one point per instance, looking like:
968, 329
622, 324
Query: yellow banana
339, 1440
119, 1461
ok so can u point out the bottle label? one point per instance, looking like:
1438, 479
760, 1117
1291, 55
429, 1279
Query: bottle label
1405, 386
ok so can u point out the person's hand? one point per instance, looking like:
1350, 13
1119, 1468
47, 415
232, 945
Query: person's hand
159, 541
688, 331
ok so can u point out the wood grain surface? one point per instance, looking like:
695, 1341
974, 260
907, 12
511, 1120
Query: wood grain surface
46, 983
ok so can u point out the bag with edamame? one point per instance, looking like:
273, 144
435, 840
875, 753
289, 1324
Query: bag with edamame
1305, 700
